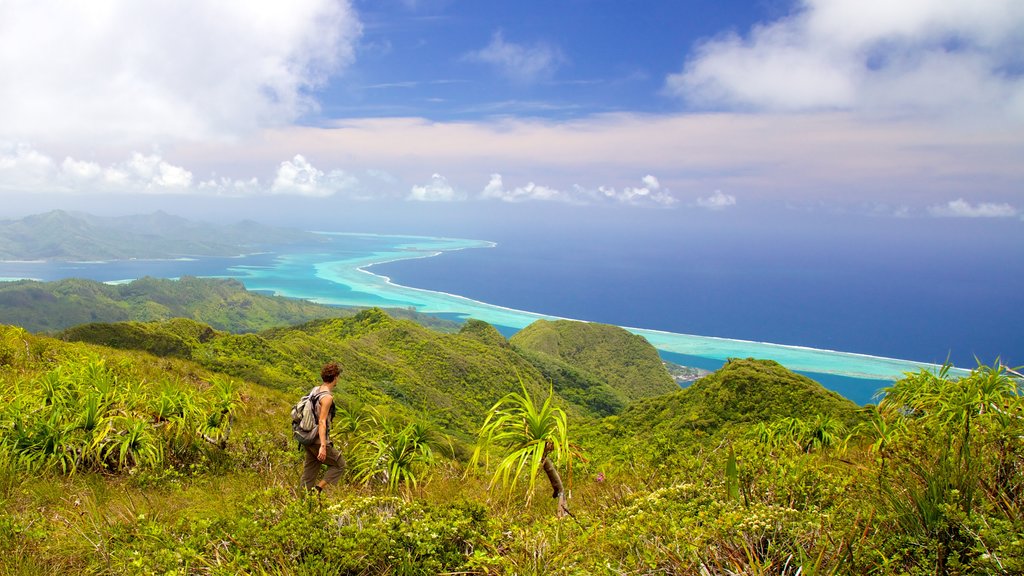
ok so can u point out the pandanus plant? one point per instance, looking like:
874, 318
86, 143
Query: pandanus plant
398, 456
532, 438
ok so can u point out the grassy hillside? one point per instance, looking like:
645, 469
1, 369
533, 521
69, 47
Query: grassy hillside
451, 378
742, 391
224, 304
599, 366
122, 462
743, 396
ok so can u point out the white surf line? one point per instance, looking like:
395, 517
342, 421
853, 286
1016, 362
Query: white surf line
795, 357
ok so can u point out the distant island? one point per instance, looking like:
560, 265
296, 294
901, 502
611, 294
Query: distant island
59, 235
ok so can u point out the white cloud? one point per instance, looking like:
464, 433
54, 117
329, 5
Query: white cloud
121, 71
960, 208
496, 190
438, 190
298, 177
518, 62
650, 193
231, 188
24, 168
155, 173
944, 57
717, 201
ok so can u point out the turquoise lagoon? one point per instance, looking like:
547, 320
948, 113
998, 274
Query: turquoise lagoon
340, 272
346, 278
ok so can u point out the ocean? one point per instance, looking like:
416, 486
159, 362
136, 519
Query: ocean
842, 299
926, 290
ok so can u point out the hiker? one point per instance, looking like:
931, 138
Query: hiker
323, 452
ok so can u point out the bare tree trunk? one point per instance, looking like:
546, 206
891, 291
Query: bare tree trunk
556, 481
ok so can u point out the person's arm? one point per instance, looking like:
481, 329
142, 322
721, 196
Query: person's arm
325, 408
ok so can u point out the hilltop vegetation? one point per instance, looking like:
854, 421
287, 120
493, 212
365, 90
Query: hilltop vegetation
224, 304
598, 366
118, 461
743, 391
451, 378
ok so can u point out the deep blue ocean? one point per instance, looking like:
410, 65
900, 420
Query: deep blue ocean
925, 290
919, 289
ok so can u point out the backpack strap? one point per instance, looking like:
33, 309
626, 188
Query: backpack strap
315, 397
314, 401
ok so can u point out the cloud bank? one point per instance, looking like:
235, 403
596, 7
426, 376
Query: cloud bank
22, 168
650, 194
717, 201
155, 71
936, 57
960, 208
437, 190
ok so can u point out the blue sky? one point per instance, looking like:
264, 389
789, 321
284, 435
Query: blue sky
468, 60
278, 110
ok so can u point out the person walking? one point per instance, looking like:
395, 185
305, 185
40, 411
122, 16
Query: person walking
323, 452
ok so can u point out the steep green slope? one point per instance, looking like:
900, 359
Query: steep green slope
451, 378
599, 366
741, 392
222, 303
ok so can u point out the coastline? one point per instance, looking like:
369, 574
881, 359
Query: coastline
321, 276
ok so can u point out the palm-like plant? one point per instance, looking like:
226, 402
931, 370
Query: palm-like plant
533, 438
135, 446
958, 444
397, 457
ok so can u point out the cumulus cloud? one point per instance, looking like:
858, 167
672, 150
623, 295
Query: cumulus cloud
437, 190
143, 173
24, 169
298, 177
118, 70
231, 188
157, 173
495, 190
650, 192
939, 56
960, 208
717, 201
519, 62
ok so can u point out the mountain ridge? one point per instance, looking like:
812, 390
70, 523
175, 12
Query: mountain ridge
61, 235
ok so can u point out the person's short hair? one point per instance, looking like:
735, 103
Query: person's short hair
330, 371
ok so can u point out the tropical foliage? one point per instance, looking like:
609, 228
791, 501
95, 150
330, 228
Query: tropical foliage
100, 415
603, 367
123, 462
532, 438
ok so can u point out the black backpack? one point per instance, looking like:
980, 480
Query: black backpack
306, 417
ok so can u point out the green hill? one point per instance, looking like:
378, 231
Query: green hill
599, 366
743, 391
450, 378
121, 462
224, 304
